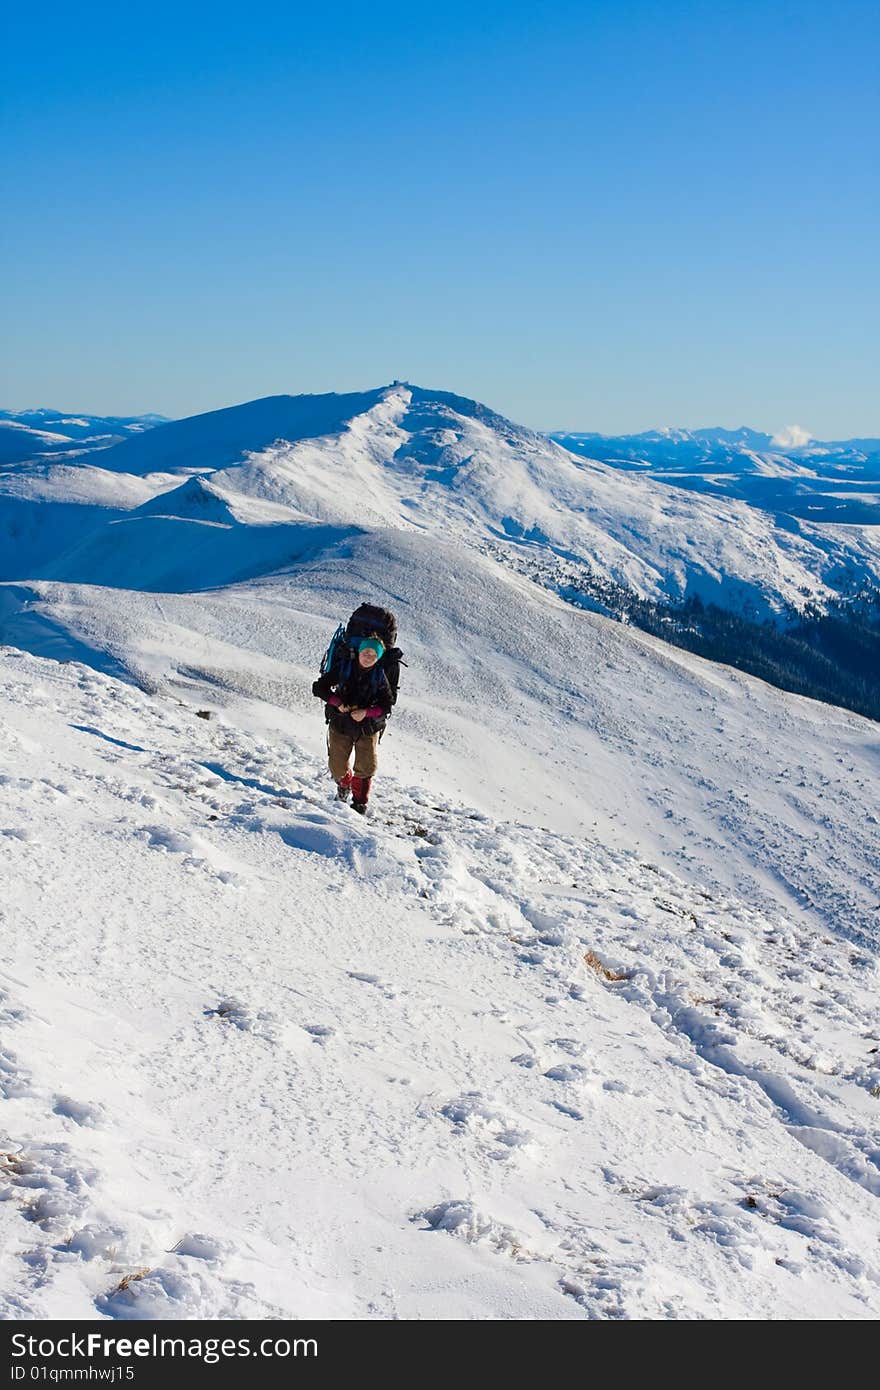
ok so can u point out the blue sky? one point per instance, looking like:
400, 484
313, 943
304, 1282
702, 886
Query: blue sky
591, 216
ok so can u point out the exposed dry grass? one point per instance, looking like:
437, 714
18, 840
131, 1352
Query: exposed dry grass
130, 1279
593, 961
12, 1164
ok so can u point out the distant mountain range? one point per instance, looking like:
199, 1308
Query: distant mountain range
53, 435
836, 481
684, 448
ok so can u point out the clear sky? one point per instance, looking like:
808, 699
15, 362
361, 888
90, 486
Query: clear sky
607, 215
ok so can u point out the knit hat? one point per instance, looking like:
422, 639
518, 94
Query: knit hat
372, 644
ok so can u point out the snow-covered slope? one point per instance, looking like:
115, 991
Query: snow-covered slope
220, 437
263, 1059
515, 700
19, 441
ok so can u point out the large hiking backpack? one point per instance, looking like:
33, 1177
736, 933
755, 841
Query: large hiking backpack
367, 620
364, 622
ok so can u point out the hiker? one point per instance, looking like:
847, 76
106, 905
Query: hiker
358, 683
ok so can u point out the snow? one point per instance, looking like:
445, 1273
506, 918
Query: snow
579, 1022
38, 436
264, 1059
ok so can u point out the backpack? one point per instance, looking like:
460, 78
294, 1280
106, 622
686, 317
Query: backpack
336, 641
369, 619
364, 621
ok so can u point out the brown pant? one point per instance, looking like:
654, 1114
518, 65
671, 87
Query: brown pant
366, 754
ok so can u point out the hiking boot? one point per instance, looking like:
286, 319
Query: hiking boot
342, 792
360, 794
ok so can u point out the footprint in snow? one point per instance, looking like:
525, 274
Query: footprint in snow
365, 978
14, 1080
51, 1186
570, 1110
201, 1247
471, 1114
169, 841
569, 1045
97, 1242
197, 854
184, 1288
239, 1015
531, 957
600, 1294
463, 1220
9, 1012
525, 1059
806, 1215
320, 1031
89, 1116
566, 1071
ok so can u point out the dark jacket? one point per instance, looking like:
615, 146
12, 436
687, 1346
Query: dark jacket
359, 689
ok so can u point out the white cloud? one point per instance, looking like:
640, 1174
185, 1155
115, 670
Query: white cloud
792, 437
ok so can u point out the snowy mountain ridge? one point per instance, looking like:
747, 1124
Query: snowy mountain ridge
432, 461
